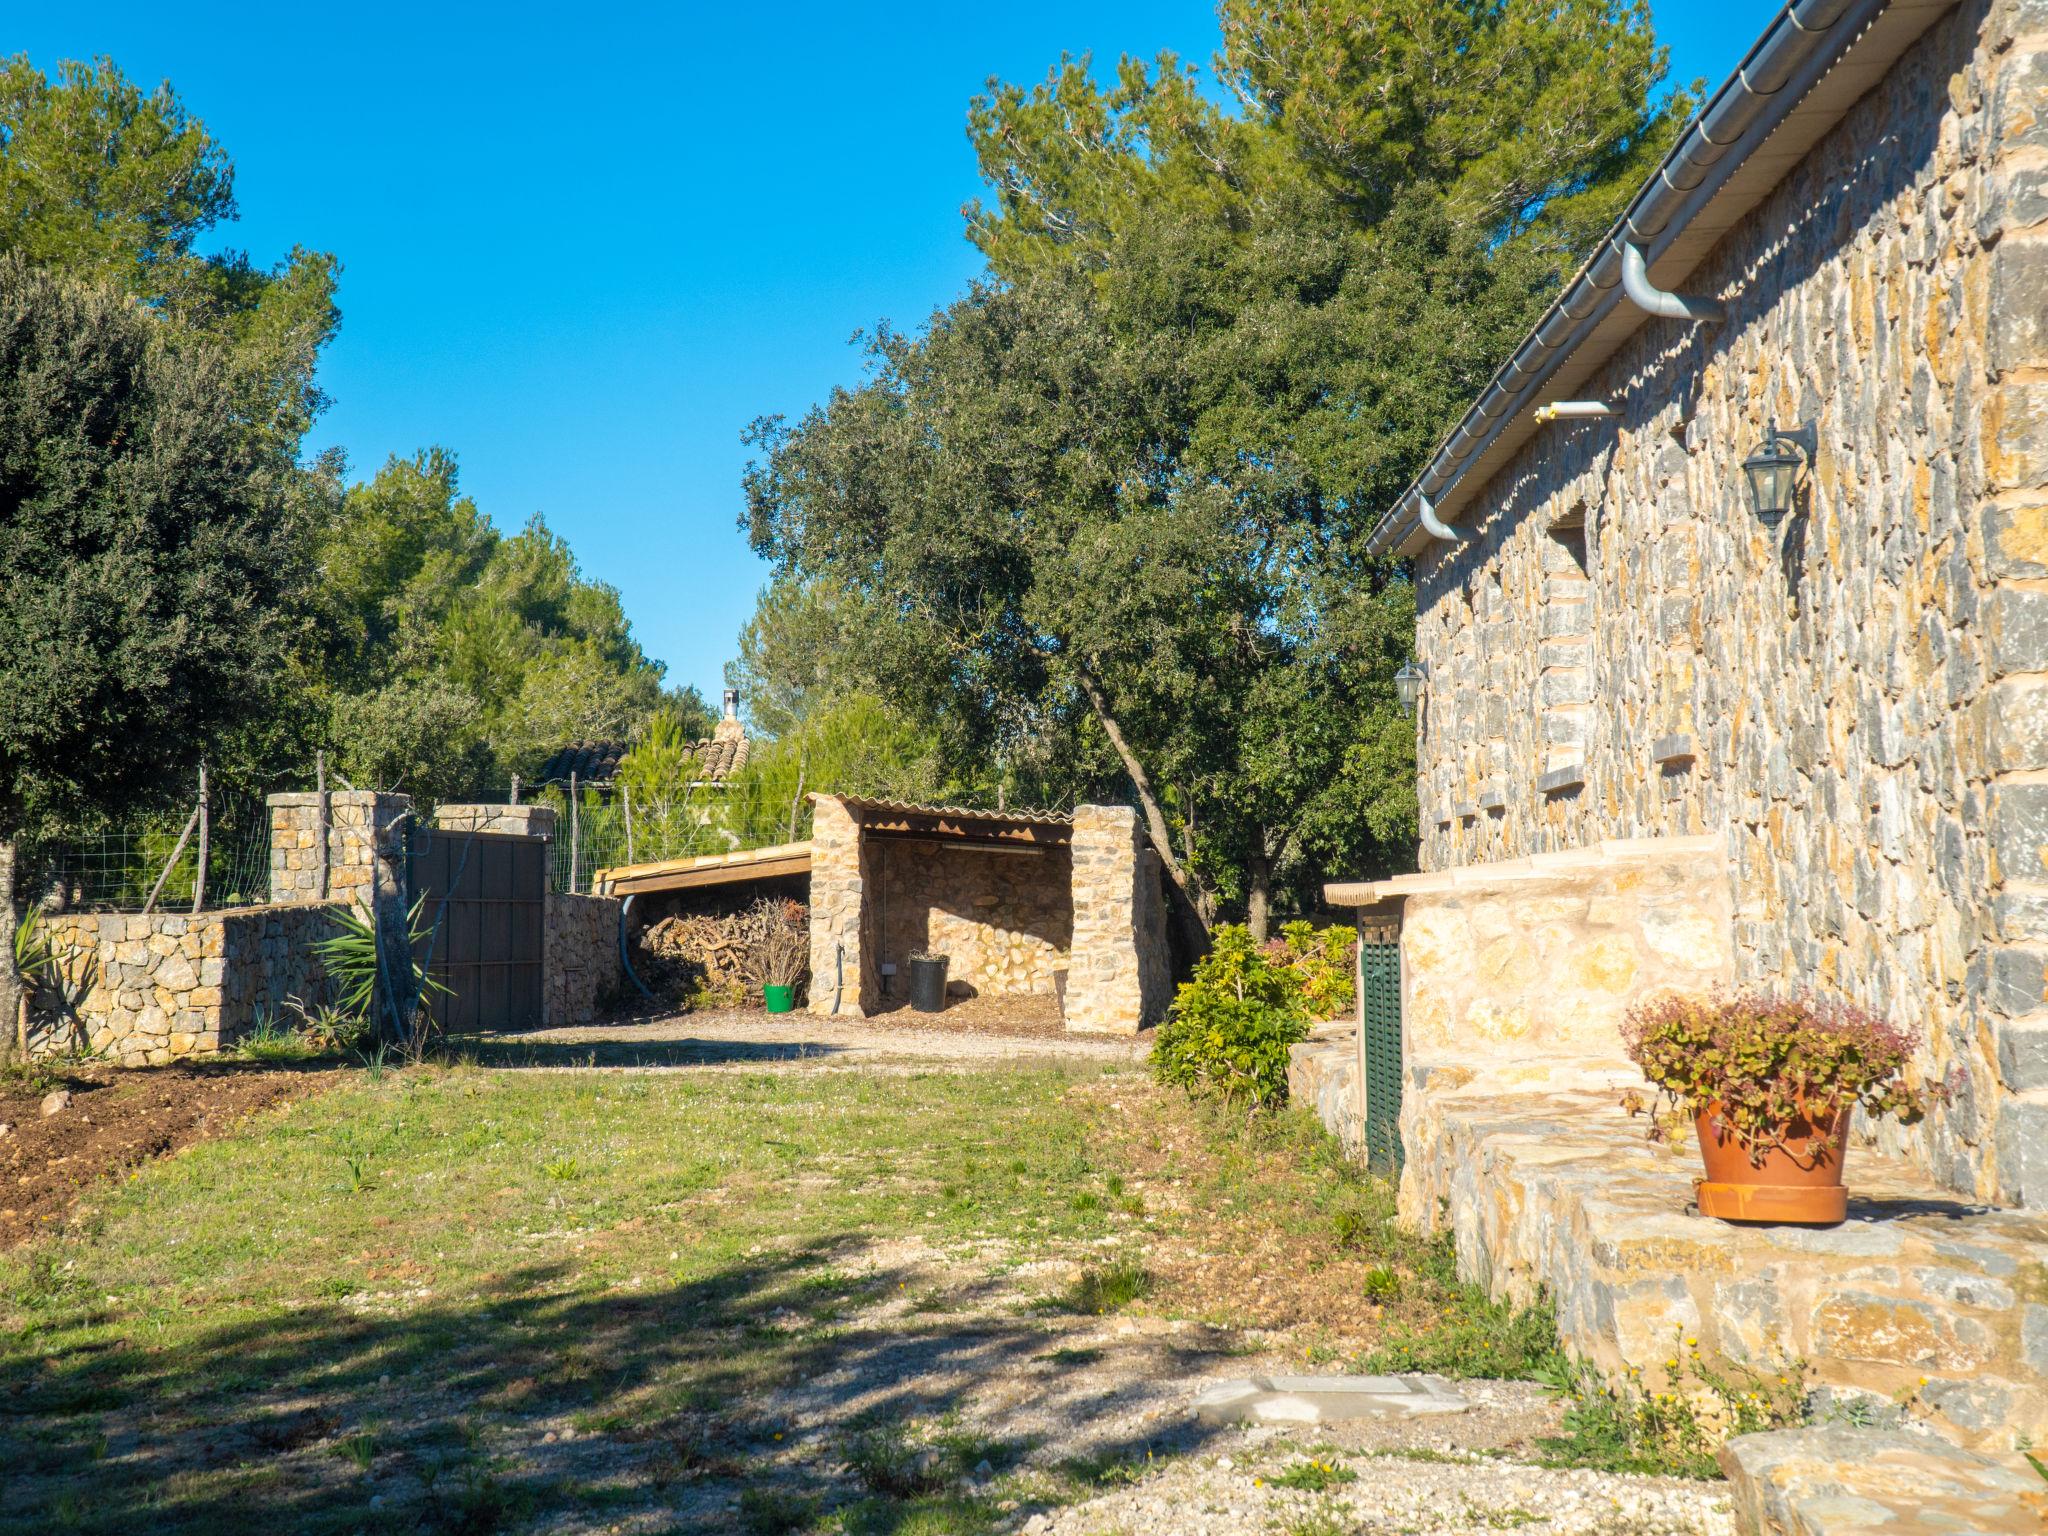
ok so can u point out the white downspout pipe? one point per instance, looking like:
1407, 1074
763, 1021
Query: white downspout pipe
1635, 282
1573, 410
1436, 527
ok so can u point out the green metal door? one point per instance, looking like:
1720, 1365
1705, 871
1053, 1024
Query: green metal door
1379, 992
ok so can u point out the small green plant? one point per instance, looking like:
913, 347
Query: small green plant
269, 1039
1324, 962
1107, 1287
1766, 1065
1381, 1283
1675, 1432
1318, 1475
562, 1169
775, 1511
358, 1449
1231, 1025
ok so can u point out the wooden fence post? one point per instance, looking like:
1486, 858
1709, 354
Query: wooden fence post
326, 816
575, 833
205, 831
172, 862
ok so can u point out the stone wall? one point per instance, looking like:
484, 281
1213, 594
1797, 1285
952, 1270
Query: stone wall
1539, 959
365, 846
1003, 919
1862, 715
580, 972
155, 988
841, 967
1121, 975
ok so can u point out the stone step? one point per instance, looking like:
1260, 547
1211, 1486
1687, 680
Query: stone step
1837, 1479
1923, 1305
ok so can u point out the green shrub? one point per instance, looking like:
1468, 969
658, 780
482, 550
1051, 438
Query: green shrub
1324, 961
1231, 1025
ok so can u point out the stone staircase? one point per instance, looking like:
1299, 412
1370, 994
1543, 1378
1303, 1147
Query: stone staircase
1920, 1323
1923, 1304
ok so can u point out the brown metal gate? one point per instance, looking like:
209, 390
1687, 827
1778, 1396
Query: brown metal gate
488, 950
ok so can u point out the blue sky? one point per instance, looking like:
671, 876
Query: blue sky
583, 246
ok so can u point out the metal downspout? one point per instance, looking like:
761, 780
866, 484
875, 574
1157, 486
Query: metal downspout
1437, 528
1645, 295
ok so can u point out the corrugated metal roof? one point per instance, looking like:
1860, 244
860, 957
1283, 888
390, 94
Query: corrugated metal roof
1026, 818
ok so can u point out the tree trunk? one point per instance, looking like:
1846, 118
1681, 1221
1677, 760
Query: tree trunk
1258, 896
11, 997
1155, 819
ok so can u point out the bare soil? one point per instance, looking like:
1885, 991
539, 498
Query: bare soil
116, 1120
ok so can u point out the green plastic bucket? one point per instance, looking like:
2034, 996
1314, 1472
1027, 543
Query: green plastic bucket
780, 999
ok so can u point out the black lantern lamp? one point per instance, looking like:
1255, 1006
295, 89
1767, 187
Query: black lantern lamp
1408, 686
1773, 475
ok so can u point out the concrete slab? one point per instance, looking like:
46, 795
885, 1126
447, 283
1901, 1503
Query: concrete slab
1325, 1399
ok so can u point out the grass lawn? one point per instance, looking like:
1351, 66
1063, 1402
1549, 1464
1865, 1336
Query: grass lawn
480, 1300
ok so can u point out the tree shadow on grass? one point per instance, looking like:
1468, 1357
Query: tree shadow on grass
539, 1404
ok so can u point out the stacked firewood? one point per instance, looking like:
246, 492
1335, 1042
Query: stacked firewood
722, 959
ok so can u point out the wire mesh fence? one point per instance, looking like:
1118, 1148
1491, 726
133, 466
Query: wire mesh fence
152, 860
607, 826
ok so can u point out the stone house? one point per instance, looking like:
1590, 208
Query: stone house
1669, 738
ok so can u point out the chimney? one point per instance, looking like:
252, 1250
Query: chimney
730, 729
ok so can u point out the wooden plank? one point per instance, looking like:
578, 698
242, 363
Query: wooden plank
715, 874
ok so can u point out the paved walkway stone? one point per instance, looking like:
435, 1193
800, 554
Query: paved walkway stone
1326, 1399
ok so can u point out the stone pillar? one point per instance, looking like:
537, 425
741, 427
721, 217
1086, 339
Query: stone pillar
841, 966
1117, 981
517, 820
2011, 975
365, 846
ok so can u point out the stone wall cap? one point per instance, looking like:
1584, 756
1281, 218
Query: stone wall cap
1541, 866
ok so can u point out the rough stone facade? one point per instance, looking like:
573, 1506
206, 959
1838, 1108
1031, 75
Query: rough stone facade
1003, 920
580, 968
154, 988
1121, 975
1861, 716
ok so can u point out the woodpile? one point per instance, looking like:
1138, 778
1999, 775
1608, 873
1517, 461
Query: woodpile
721, 960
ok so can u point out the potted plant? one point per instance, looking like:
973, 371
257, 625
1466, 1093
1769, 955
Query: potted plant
1767, 1085
784, 951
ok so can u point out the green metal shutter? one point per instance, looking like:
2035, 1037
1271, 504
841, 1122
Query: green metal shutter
1379, 976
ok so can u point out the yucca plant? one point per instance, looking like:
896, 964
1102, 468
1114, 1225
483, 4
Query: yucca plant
350, 956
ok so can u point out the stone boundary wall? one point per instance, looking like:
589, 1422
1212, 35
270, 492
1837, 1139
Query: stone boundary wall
1325, 1075
580, 972
1862, 714
164, 986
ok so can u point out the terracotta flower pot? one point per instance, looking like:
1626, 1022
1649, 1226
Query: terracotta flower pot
1799, 1182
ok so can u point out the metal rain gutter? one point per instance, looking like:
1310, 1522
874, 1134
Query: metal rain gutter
1801, 45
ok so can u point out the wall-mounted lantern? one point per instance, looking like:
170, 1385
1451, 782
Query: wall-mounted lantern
1408, 686
1773, 475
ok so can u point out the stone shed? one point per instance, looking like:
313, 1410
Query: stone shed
1038, 903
